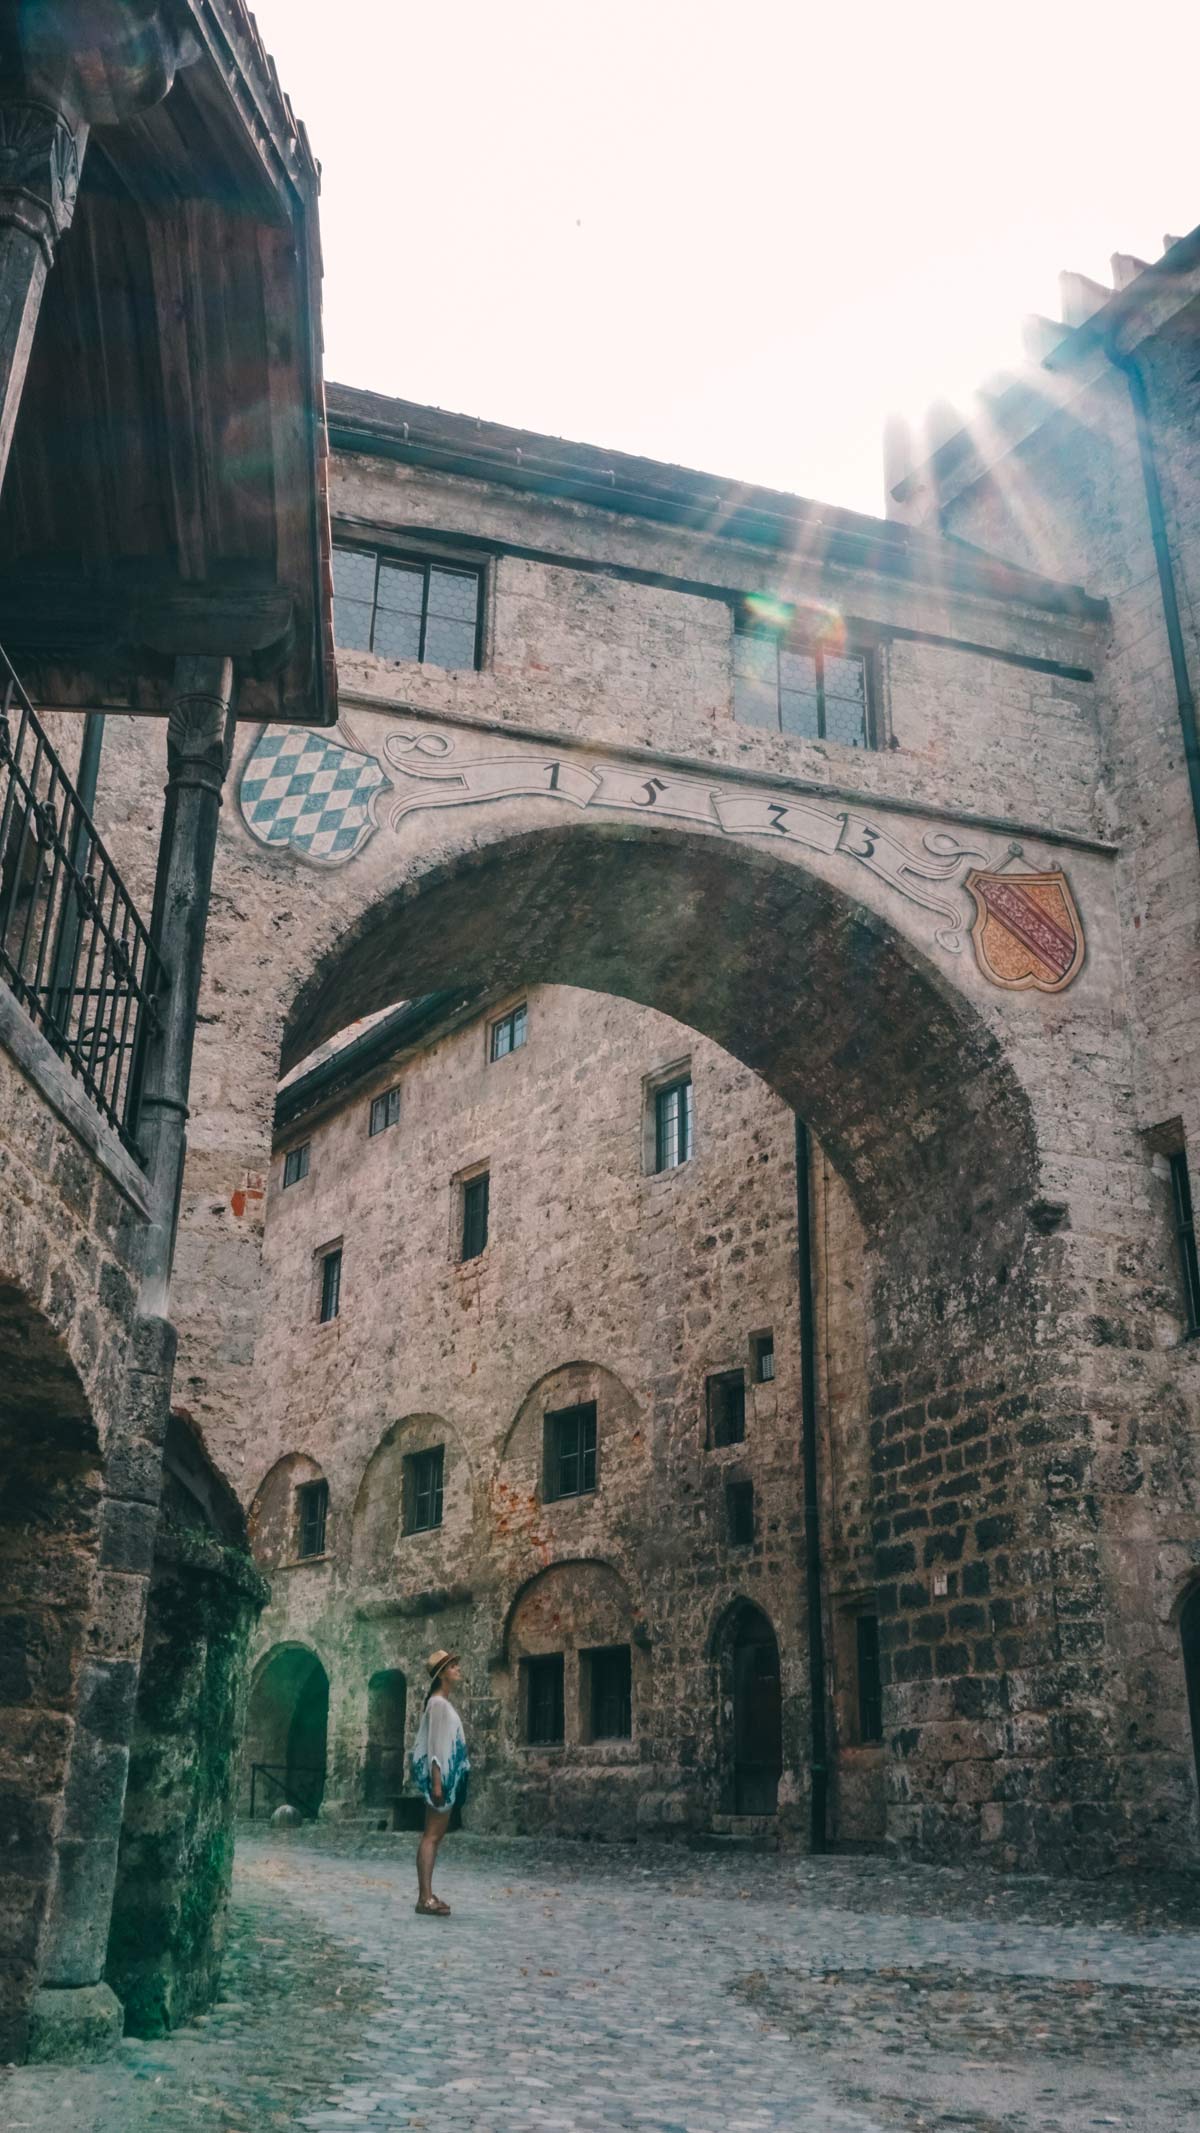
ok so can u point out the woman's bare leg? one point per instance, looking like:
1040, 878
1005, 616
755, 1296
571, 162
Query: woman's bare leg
436, 1825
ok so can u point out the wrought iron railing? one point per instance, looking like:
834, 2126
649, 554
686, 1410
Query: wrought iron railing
72, 946
307, 1798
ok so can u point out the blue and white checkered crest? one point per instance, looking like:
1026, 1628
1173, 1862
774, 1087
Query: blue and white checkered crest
310, 794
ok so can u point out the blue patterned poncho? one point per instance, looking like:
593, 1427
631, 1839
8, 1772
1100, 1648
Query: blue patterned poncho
441, 1740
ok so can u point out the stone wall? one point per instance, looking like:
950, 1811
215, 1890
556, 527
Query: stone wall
602, 1282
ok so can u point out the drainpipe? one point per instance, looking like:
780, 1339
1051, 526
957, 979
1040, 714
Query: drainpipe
1184, 697
819, 1747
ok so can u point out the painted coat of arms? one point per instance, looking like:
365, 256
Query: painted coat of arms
1027, 930
315, 795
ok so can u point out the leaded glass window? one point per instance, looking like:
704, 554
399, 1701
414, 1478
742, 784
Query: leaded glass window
806, 691
407, 607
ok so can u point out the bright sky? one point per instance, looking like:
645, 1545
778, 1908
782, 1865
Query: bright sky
733, 237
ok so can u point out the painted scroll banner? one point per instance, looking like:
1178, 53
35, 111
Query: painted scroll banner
663, 795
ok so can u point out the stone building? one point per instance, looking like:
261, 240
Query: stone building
898, 817
559, 1429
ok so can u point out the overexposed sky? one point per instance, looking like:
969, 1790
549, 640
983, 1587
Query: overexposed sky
728, 236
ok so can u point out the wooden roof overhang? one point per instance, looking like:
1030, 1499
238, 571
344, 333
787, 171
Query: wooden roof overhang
166, 491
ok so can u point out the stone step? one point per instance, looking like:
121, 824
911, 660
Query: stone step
737, 1833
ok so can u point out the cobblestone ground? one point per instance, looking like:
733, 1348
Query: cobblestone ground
668, 1992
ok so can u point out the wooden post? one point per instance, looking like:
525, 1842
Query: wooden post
199, 744
41, 152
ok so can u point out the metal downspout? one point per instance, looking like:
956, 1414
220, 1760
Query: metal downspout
1184, 697
819, 1749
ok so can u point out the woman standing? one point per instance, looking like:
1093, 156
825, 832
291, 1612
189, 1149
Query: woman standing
439, 1768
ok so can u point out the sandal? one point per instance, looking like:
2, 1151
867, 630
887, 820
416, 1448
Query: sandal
435, 1908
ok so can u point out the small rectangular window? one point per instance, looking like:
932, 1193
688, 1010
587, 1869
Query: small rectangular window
423, 1493
726, 1401
608, 1675
1185, 1237
312, 1508
673, 1120
544, 1700
385, 1111
870, 1690
295, 1164
475, 1201
508, 1035
407, 607
762, 1348
739, 1513
331, 1285
805, 689
570, 1452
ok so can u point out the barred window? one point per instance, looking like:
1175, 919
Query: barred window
312, 1511
295, 1164
673, 1121
544, 1703
762, 1348
331, 1285
508, 1034
608, 1693
805, 690
385, 1111
423, 1492
570, 1452
407, 607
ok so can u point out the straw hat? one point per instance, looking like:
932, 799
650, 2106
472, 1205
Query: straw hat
437, 1663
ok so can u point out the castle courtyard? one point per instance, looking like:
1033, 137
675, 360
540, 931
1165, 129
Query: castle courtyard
584, 1988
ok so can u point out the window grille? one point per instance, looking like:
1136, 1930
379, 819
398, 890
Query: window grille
295, 1164
870, 1689
609, 1676
425, 1489
726, 1402
508, 1034
544, 1700
331, 1285
763, 1349
570, 1452
1185, 1235
806, 690
673, 1119
475, 1200
739, 1513
385, 1111
407, 607
312, 1510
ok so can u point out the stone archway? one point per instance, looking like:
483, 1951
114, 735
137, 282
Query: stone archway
287, 1723
941, 1105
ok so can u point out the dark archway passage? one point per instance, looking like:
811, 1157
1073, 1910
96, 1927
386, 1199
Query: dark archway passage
387, 1709
973, 1356
286, 1732
50, 1501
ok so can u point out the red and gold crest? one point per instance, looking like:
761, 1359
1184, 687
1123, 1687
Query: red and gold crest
1027, 931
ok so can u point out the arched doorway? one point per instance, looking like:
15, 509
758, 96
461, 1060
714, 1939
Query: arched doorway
286, 1728
387, 1709
1189, 1634
751, 1712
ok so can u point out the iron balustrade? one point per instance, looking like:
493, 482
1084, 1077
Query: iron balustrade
72, 946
